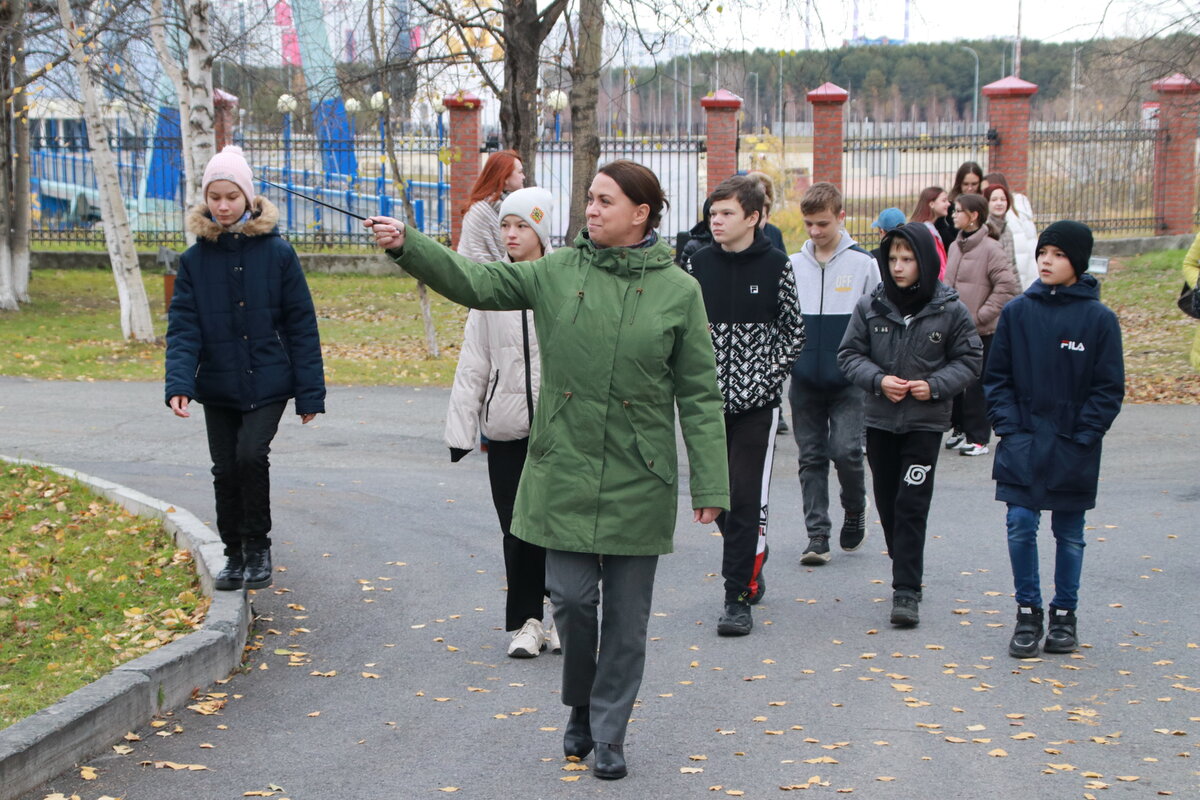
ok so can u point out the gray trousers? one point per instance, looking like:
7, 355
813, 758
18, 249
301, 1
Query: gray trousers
604, 655
828, 426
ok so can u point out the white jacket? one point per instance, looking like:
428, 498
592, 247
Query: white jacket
1024, 234
496, 382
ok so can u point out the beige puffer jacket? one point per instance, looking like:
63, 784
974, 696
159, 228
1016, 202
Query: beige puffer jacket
978, 268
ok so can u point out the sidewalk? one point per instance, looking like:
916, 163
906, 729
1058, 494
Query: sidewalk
393, 569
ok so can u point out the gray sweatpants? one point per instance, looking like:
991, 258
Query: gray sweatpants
607, 680
828, 426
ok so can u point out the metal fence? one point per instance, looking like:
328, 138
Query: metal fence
678, 163
1102, 176
880, 171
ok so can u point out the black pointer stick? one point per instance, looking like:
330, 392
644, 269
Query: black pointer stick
303, 196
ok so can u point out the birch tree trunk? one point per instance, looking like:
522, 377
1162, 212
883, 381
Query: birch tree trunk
8, 294
193, 85
22, 213
135, 306
584, 94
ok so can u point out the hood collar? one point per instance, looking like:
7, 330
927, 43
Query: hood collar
912, 299
264, 217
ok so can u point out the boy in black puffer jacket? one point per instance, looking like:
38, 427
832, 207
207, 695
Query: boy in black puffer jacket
1054, 383
911, 345
241, 340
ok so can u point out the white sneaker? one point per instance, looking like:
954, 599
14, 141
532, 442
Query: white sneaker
552, 641
529, 641
974, 450
955, 441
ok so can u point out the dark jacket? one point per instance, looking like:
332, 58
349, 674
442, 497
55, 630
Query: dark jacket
775, 237
938, 343
242, 331
754, 318
1054, 383
699, 236
827, 297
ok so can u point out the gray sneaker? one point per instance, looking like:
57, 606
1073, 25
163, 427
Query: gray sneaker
817, 552
736, 621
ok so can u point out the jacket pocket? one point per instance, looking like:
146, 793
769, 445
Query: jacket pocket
658, 458
544, 436
282, 346
1014, 460
1074, 467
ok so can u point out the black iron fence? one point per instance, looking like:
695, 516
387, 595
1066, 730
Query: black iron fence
1102, 176
890, 167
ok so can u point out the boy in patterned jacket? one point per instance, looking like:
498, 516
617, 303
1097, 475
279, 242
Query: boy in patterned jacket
758, 331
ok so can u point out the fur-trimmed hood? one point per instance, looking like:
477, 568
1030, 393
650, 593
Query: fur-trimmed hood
264, 216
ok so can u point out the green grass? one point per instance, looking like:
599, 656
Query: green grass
84, 586
370, 328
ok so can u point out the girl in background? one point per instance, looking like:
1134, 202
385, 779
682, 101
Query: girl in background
933, 206
1020, 221
480, 238
967, 180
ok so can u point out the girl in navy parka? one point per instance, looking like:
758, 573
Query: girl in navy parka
241, 340
1054, 382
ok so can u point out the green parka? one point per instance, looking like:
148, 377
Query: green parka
623, 338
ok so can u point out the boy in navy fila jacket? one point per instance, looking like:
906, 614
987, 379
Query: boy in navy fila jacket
757, 331
1054, 382
832, 273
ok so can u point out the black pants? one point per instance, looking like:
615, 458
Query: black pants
902, 467
750, 443
524, 563
239, 443
969, 413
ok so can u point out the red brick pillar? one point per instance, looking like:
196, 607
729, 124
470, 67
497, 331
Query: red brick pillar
721, 123
225, 117
1175, 153
1008, 115
464, 154
827, 101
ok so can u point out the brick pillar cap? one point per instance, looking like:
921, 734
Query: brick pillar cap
223, 99
1176, 84
828, 93
465, 101
1009, 87
721, 99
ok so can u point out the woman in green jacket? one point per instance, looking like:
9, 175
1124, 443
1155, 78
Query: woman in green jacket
624, 340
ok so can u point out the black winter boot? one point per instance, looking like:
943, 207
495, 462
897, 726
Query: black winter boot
1061, 636
577, 739
610, 761
258, 567
1027, 635
230, 578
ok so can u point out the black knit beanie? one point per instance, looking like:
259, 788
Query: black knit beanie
1073, 238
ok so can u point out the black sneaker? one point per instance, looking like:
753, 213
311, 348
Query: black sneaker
257, 574
854, 530
817, 552
230, 578
736, 621
783, 427
1061, 638
1027, 635
904, 610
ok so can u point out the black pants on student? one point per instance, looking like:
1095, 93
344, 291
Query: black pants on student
524, 563
239, 443
750, 443
969, 413
902, 467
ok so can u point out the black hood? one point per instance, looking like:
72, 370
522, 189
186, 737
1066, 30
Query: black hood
700, 229
912, 299
761, 247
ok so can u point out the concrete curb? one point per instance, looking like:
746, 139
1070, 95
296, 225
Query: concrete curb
90, 719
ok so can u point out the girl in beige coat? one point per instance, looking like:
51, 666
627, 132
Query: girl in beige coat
978, 268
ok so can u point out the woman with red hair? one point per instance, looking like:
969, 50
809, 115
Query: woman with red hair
480, 238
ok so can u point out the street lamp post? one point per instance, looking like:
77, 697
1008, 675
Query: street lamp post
556, 101
379, 104
353, 106
439, 108
287, 106
754, 127
975, 100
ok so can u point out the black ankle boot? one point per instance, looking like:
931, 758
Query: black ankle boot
230, 578
577, 740
1061, 637
1028, 633
257, 574
610, 761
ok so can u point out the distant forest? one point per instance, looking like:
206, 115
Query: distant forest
918, 82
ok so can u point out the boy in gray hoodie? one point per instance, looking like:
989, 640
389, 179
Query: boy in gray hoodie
911, 346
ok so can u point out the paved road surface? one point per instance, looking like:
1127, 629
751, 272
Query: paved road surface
393, 567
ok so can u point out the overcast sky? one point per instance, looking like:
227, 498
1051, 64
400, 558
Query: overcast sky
779, 24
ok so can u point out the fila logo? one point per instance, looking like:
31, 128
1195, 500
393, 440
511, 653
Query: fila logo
754, 289
1067, 344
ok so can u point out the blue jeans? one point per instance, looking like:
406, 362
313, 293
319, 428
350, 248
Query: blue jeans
1068, 557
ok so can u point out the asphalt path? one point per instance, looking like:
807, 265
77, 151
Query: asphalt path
390, 565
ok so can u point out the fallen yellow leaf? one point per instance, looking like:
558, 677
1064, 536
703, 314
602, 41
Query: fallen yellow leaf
88, 773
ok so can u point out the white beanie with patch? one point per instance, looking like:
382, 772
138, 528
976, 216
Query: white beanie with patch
534, 206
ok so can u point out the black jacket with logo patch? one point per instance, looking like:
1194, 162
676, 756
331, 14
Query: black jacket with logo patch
754, 317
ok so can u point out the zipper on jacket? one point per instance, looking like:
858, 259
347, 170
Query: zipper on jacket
286, 354
528, 377
487, 407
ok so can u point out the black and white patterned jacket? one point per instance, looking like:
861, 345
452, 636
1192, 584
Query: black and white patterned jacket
755, 320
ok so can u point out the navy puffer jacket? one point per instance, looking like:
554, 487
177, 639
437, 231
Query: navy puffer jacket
242, 331
1055, 380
